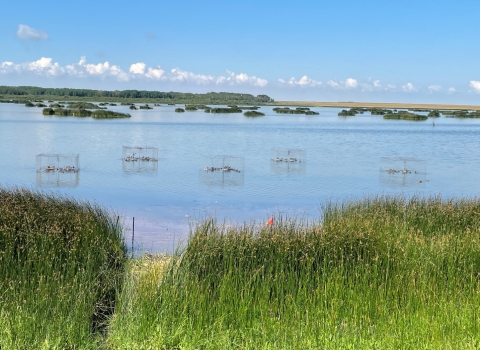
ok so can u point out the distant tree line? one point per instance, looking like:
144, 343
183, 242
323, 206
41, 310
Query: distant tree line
166, 97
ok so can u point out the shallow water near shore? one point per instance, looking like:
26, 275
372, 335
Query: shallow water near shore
345, 158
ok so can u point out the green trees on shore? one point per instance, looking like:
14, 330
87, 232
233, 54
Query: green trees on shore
157, 96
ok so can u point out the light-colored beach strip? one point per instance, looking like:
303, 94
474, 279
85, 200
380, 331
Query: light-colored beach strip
396, 105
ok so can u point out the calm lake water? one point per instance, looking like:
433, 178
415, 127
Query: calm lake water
342, 158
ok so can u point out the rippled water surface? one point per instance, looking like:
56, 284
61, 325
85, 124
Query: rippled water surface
345, 158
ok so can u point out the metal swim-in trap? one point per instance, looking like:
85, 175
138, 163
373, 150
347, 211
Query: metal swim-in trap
287, 160
139, 159
403, 172
57, 170
223, 170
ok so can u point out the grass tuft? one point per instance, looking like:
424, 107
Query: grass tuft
377, 273
61, 264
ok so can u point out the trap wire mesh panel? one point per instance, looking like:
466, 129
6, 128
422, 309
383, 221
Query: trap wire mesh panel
403, 172
57, 170
288, 160
139, 159
223, 170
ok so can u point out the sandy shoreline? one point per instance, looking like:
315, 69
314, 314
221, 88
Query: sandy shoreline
378, 105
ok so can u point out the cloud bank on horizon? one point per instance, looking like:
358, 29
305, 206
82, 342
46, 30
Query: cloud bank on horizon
140, 71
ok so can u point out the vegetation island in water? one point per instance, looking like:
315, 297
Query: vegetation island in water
83, 109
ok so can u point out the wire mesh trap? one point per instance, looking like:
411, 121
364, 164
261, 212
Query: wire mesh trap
287, 160
402, 172
57, 170
223, 170
139, 159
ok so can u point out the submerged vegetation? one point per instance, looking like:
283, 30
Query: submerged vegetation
61, 266
385, 272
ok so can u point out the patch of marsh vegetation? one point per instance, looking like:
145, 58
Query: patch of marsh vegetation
61, 268
405, 115
230, 109
462, 114
97, 114
385, 272
298, 110
253, 114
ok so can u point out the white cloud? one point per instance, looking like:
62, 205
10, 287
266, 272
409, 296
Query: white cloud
242, 78
118, 73
98, 69
138, 68
370, 85
451, 90
475, 85
180, 75
333, 84
409, 87
25, 32
434, 88
351, 83
304, 81
155, 73
46, 67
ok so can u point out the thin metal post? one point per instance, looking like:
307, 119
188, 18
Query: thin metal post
133, 233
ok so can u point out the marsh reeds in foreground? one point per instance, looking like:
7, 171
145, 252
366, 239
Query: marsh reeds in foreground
384, 273
61, 264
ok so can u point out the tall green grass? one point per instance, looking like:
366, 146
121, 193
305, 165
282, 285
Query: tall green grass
61, 264
384, 273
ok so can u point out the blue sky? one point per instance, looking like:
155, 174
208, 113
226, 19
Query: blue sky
343, 50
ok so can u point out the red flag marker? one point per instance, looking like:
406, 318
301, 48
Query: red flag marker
270, 221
